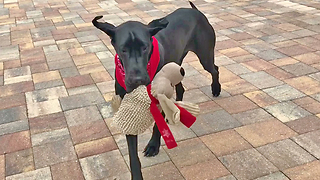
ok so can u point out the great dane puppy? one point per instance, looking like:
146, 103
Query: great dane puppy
184, 30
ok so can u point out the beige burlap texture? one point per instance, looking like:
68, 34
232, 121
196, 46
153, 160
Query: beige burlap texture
133, 116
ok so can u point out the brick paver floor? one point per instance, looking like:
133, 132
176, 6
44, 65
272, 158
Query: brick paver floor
57, 80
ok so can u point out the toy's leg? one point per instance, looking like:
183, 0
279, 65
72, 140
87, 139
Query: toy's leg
153, 146
135, 165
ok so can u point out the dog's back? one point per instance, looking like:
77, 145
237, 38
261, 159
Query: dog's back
182, 33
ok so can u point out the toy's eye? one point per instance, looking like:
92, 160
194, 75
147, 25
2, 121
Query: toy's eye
124, 50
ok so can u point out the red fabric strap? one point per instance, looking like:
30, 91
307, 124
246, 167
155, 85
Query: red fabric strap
185, 117
160, 121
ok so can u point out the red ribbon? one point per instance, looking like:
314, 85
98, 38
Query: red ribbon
186, 117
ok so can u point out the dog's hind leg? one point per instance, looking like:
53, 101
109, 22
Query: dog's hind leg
135, 165
153, 146
179, 87
179, 92
207, 61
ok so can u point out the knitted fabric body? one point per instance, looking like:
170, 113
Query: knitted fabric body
134, 116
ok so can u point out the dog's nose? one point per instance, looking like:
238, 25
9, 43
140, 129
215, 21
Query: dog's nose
138, 80
134, 82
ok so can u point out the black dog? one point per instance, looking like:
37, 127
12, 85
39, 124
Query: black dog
186, 29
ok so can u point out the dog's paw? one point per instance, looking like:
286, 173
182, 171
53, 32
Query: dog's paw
152, 149
216, 89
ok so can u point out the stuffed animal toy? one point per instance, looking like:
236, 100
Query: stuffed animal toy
135, 112
162, 88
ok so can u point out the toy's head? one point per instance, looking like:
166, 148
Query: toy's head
173, 72
165, 80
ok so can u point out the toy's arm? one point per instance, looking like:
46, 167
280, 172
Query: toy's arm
171, 111
115, 102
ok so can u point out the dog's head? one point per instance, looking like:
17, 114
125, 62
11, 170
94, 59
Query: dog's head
133, 43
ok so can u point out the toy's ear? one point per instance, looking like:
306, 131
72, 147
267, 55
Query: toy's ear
182, 71
156, 25
108, 28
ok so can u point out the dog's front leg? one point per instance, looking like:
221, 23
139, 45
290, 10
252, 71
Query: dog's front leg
153, 146
135, 165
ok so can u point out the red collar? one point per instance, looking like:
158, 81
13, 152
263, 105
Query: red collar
151, 67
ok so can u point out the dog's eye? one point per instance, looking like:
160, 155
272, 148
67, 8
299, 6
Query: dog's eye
124, 50
144, 48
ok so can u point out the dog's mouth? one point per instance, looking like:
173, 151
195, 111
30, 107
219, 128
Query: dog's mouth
131, 86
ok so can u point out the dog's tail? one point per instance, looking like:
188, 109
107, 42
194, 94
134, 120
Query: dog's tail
193, 6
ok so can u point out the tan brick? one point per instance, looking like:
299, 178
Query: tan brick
95, 147
236, 104
309, 171
85, 59
101, 76
46, 76
260, 98
43, 108
76, 51
164, 171
258, 65
262, 133
205, 170
11, 64
304, 81
225, 142
16, 88
233, 52
62, 171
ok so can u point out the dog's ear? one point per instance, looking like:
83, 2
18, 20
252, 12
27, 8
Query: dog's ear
109, 29
156, 25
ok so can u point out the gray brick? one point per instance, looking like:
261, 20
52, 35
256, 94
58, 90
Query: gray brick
81, 100
12, 114
214, 122
43, 174
310, 141
13, 127
285, 154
